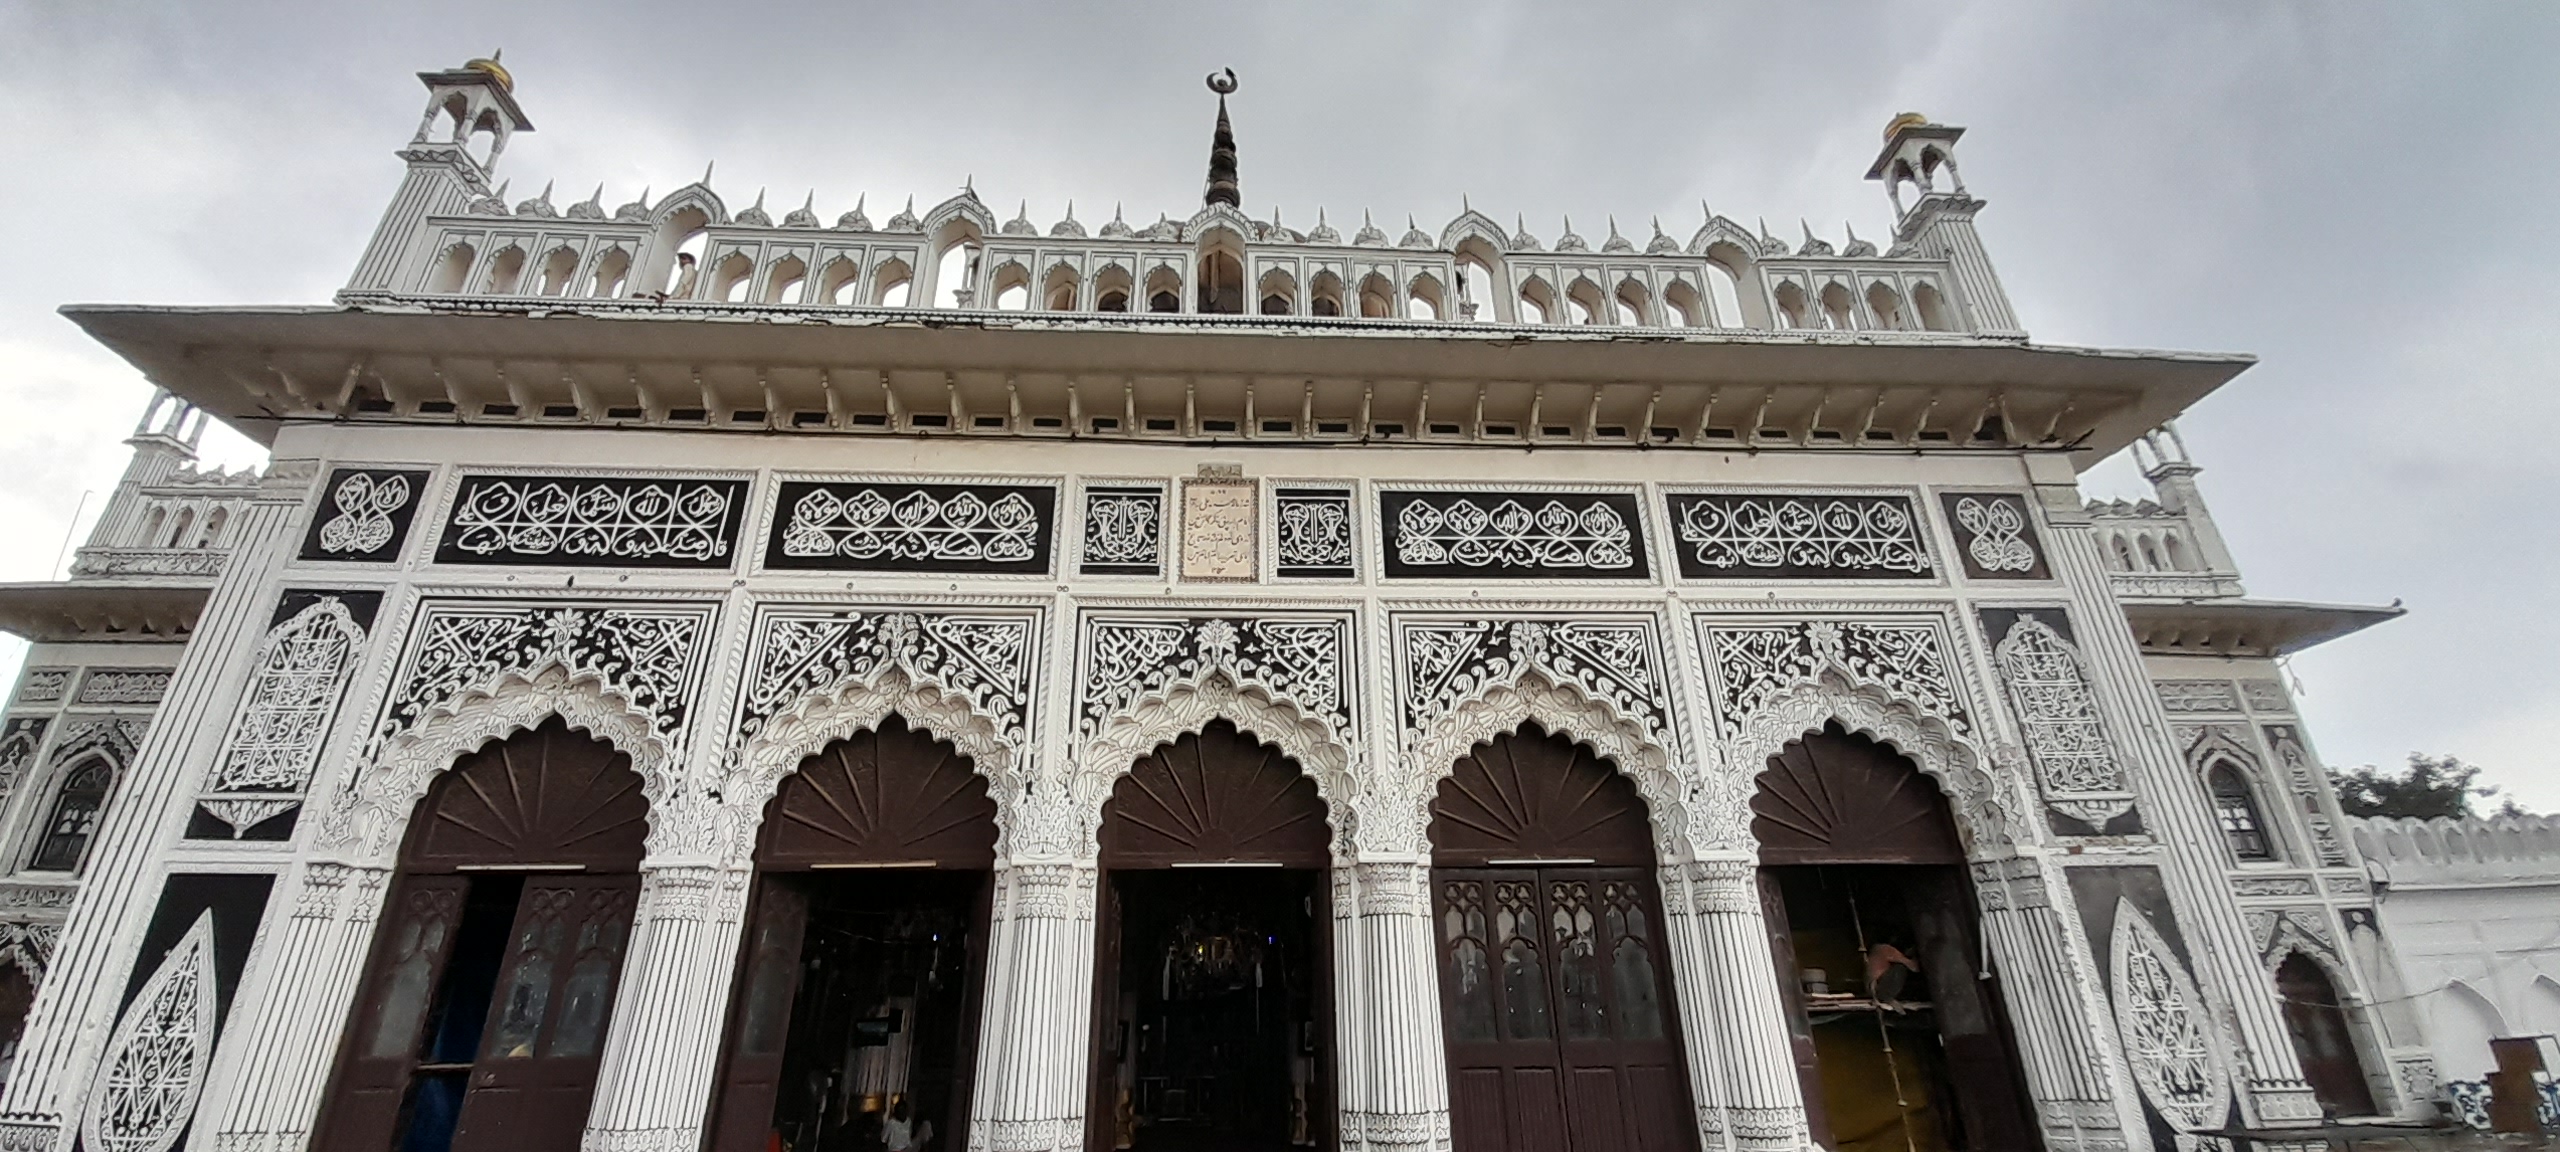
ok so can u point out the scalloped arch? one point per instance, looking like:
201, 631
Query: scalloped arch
698, 195
1472, 224
1983, 818
373, 816
1561, 707
1185, 707
821, 718
961, 207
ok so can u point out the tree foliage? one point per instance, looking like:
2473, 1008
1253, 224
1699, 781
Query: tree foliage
2429, 787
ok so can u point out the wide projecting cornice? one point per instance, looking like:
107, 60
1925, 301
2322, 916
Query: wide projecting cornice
1192, 377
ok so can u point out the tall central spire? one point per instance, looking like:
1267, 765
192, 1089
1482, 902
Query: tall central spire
1222, 147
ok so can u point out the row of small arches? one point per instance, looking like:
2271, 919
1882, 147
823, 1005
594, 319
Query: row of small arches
2449, 841
2164, 550
189, 524
1718, 302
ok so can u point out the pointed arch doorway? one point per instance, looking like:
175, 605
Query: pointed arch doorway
1900, 1038
855, 1003
1555, 992
1213, 995
485, 1004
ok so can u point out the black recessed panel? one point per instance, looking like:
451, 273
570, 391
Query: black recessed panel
1795, 536
1314, 530
976, 529
1513, 535
594, 522
236, 900
1996, 622
361, 603
364, 514
1995, 536
1123, 531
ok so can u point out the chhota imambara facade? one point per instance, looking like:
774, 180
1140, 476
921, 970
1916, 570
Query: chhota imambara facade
691, 680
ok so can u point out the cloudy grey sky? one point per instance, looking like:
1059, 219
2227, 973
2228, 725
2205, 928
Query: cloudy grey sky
2354, 192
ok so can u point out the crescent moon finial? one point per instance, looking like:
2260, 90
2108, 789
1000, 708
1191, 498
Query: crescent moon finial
1222, 81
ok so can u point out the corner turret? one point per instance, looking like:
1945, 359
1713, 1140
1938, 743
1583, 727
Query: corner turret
471, 114
1938, 222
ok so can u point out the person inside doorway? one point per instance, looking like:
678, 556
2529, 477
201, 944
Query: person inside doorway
902, 1132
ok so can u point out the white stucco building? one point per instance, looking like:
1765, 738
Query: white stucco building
688, 679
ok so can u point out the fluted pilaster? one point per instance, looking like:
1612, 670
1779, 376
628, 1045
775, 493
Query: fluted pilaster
1033, 1049
1395, 1075
2057, 1035
653, 1088
286, 1041
1742, 1067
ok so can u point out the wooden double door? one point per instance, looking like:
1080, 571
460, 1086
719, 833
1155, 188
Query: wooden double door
1562, 1034
489, 995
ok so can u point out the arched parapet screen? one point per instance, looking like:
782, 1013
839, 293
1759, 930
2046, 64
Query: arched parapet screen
366, 817
549, 795
893, 796
1983, 819
1529, 794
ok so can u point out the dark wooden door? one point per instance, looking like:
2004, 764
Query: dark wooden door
760, 1020
536, 1071
2321, 1039
548, 823
1560, 1030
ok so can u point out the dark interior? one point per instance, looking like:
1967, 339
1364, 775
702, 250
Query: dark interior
1216, 1044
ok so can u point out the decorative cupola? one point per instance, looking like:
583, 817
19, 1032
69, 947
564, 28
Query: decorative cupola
1616, 242
1937, 222
855, 221
1222, 187
1571, 242
1068, 226
471, 113
1662, 244
1323, 233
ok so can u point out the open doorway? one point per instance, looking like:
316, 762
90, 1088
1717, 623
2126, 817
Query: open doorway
860, 1008
1213, 968
1218, 987
854, 1017
1899, 1035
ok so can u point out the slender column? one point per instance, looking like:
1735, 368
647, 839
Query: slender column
2059, 1040
1742, 1067
285, 1040
1033, 1052
653, 1087
1396, 1088
75, 1006
2190, 840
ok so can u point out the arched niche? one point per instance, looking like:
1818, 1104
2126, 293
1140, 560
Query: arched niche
1555, 984
870, 904
1873, 920
2323, 1038
1214, 968
488, 997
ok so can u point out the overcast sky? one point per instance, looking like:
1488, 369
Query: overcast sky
2356, 193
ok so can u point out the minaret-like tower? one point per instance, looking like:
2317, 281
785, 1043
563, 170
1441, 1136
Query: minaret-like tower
1938, 222
2172, 473
1222, 148
445, 174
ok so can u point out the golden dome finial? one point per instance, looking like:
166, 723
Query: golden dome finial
1898, 123
496, 71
